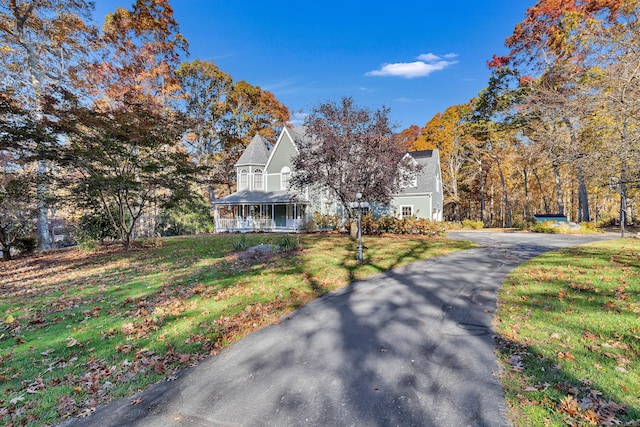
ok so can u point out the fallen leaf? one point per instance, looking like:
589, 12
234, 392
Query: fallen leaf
566, 356
9, 319
136, 401
17, 399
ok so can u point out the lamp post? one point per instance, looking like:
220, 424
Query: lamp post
359, 206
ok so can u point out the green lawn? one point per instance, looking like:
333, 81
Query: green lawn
80, 329
569, 337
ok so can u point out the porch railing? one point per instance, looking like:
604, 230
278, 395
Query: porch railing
255, 224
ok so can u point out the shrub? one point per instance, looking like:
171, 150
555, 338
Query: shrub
96, 226
26, 245
370, 225
394, 225
289, 243
589, 227
472, 225
327, 222
87, 244
241, 244
185, 216
545, 227
310, 225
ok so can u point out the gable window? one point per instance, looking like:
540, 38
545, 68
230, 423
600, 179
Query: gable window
258, 179
406, 211
244, 177
285, 174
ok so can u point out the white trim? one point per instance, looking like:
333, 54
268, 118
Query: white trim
400, 196
243, 172
262, 179
285, 185
406, 206
275, 147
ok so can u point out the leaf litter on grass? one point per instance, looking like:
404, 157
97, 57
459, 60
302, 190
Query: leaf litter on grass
567, 329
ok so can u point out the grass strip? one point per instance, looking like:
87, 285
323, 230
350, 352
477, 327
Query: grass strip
568, 331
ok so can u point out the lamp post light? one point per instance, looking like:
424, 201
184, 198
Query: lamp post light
359, 207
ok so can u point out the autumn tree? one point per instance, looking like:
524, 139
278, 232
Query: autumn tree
554, 46
446, 132
41, 41
350, 149
17, 206
123, 159
226, 115
124, 147
19, 138
141, 49
617, 98
408, 138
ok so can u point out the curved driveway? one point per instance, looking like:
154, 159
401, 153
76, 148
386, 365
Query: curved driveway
412, 346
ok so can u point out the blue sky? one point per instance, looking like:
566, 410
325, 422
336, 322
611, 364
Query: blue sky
416, 57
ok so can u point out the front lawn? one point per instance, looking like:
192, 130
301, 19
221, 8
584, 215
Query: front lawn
79, 329
568, 328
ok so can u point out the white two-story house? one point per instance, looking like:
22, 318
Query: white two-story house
264, 202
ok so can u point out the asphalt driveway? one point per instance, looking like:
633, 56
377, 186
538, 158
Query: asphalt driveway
411, 347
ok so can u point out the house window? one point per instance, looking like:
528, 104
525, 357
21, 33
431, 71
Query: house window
258, 179
244, 175
285, 174
406, 211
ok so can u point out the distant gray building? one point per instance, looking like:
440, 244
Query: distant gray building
263, 200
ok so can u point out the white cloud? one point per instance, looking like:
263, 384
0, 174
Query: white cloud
405, 99
427, 63
298, 118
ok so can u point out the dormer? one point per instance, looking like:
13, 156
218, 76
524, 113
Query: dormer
250, 167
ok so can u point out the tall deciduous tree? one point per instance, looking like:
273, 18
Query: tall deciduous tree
141, 51
40, 42
19, 137
125, 147
617, 98
124, 159
349, 150
446, 132
555, 44
408, 138
226, 116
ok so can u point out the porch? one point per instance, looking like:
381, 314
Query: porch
259, 211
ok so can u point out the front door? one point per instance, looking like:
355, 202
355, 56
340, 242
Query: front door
280, 215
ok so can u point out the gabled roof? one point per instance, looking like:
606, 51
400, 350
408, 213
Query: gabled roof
298, 134
255, 154
421, 154
430, 161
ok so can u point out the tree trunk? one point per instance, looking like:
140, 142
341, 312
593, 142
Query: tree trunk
525, 176
623, 197
43, 228
545, 202
454, 193
583, 197
508, 221
556, 174
483, 197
